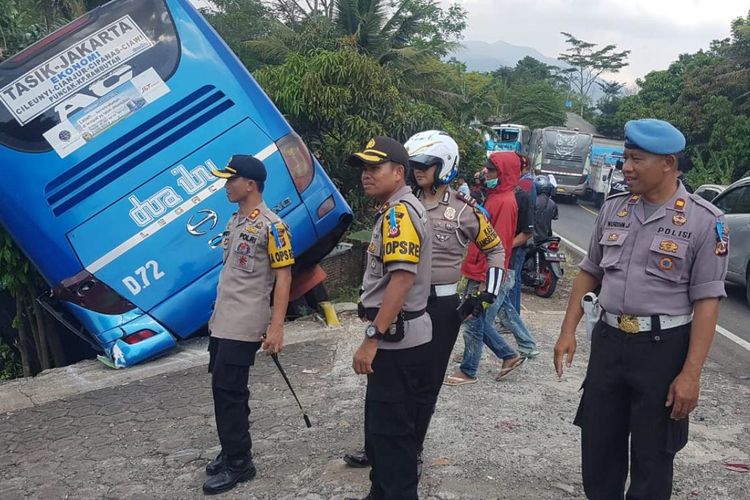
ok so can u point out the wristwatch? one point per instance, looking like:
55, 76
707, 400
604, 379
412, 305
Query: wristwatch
371, 332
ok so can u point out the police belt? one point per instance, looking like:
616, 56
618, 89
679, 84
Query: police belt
371, 312
443, 290
638, 324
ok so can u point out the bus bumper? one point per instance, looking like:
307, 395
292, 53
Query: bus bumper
140, 340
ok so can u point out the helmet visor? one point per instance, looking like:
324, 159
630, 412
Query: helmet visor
423, 162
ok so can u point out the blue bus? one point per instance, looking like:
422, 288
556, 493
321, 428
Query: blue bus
508, 137
109, 129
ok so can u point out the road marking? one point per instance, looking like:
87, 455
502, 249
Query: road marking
734, 338
572, 245
719, 329
594, 213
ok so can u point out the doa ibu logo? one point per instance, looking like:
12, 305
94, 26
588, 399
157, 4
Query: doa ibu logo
144, 212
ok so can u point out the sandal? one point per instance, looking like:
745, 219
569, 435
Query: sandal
458, 358
452, 380
504, 372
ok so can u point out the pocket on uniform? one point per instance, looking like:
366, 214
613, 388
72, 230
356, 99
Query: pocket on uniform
612, 244
242, 262
578, 419
677, 435
375, 258
666, 259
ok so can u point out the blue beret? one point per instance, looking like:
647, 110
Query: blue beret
654, 136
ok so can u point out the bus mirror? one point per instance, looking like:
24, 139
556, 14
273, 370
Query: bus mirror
618, 165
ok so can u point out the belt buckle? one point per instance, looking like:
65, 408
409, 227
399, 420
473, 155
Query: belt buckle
628, 324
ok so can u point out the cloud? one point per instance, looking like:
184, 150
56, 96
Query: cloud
656, 31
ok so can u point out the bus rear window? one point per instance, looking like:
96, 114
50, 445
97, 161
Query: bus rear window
73, 64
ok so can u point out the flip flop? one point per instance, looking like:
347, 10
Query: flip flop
455, 381
504, 372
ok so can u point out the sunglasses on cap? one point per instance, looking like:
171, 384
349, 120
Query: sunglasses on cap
424, 162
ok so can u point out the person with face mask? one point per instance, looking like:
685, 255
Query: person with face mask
501, 174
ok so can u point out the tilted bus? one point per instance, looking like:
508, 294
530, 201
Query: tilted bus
109, 129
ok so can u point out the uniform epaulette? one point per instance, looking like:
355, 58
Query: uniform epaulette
466, 199
715, 211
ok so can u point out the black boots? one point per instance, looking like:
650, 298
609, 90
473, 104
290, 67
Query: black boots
358, 459
216, 465
228, 472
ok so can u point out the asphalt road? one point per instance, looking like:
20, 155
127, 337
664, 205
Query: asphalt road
576, 223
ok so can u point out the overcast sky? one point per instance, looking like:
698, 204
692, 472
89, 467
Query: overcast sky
656, 31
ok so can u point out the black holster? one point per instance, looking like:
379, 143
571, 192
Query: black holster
403, 316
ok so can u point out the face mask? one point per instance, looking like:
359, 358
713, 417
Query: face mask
490, 183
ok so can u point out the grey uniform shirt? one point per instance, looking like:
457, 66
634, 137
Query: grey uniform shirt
253, 247
455, 222
661, 264
401, 241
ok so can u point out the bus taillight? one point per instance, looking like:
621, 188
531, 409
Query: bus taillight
85, 290
136, 337
298, 160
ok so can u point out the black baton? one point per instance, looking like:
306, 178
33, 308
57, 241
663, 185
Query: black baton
275, 358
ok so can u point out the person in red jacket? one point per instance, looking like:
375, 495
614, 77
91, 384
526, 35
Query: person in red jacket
501, 172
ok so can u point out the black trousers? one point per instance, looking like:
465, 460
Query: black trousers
624, 392
445, 326
397, 392
229, 365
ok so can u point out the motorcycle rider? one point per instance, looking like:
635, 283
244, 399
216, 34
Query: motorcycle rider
546, 209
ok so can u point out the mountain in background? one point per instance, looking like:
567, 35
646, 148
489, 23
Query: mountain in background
486, 57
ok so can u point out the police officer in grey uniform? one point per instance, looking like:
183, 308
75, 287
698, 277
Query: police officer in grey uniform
257, 259
455, 221
660, 256
395, 351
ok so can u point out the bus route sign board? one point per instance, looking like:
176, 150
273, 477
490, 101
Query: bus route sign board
51, 82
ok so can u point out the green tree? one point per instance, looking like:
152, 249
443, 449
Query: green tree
588, 63
608, 105
536, 105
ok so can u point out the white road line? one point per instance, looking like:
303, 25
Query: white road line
719, 329
734, 338
571, 245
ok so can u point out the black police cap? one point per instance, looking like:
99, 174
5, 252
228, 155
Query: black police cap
246, 166
380, 150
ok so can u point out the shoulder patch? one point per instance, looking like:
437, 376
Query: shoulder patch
707, 205
466, 199
279, 245
486, 238
401, 241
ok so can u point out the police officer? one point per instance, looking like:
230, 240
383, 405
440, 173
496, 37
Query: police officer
257, 259
455, 221
395, 351
660, 256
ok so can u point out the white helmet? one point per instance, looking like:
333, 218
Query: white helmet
434, 147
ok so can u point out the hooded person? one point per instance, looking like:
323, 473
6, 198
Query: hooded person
501, 172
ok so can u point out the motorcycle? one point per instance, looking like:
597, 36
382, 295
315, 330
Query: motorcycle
542, 268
